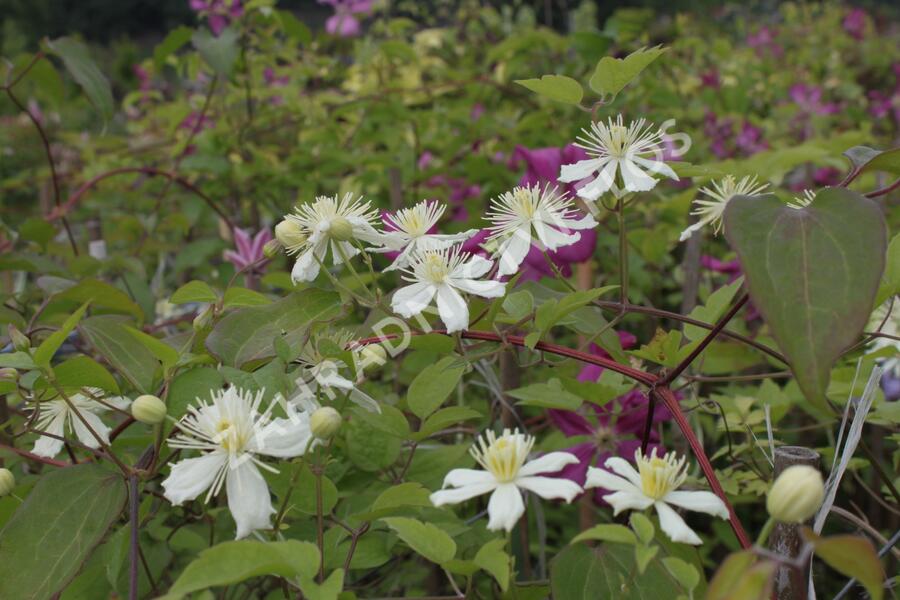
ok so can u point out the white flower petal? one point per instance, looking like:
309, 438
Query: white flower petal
586, 222
674, 526
284, 438
548, 463
485, 289
452, 308
307, 267
84, 434
192, 476
580, 170
634, 178
624, 468
47, 446
248, 498
514, 250
505, 507
412, 299
550, 487
656, 166
687, 233
626, 500
461, 494
601, 184
464, 477
601, 478
553, 238
364, 400
699, 501
473, 268
349, 251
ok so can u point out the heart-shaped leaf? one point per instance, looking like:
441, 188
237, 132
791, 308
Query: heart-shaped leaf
813, 273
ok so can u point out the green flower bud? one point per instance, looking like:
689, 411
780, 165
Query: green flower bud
290, 234
8, 374
19, 340
340, 229
204, 319
148, 409
325, 422
372, 356
7, 482
272, 248
796, 494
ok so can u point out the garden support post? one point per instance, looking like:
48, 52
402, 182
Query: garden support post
790, 582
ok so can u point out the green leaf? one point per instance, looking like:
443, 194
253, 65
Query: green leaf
327, 590
54, 531
552, 311
113, 341
444, 418
194, 291
187, 386
609, 532
890, 283
166, 354
102, 295
247, 334
44, 353
220, 52
83, 371
852, 556
304, 497
404, 494
84, 71
17, 360
370, 449
605, 573
712, 310
390, 420
870, 159
238, 296
231, 562
556, 87
551, 394
492, 557
432, 386
613, 74
643, 555
426, 539
809, 274
294, 27
741, 577
173, 42
643, 527
685, 573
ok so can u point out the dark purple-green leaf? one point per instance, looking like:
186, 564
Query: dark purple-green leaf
812, 273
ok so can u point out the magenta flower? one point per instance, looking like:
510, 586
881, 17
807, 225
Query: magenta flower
710, 79
854, 23
764, 42
614, 429
195, 122
249, 254
809, 99
219, 13
343, 23
749, 141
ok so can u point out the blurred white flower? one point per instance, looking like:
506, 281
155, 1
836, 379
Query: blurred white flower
516, 213
506, 472
329, 223
231, 433
804, 200
410, 233
711, 211
655, 483
56, 417
320, 372
632, 152
444, 273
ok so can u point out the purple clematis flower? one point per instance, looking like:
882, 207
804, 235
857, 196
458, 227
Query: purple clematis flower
763, 41
854, 23
614, 429
809, 99
219, 13
249, 250
343, 23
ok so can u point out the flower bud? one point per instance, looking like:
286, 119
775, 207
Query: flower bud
325, 422
796, 494
8, 374
19, 340
204, 319
372, 356
7, 482
290, 234
340, 229
148, 409
272, 248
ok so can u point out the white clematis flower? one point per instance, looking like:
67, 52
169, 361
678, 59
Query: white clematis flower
320, 373
506, 473
516, 213
411, 227
629, 151
330, 223
232, 433
444, 273
655, 483
711, 211
56, 417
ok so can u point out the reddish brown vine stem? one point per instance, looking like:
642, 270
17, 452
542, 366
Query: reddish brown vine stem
648, 379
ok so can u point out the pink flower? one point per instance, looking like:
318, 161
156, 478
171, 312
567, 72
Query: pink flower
854, 23
249, 250
343, 23
710, 79
809, 99
764, 42
219, 13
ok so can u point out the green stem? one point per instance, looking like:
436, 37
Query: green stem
346, 260
557, 272
765, 531
623, 252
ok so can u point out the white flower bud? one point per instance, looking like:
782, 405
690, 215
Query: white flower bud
340, 229
290, 234
796, 494
325, 422
7, 482
148, 409
372, 356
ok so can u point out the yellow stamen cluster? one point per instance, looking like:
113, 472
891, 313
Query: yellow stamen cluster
659, 476
503, 456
